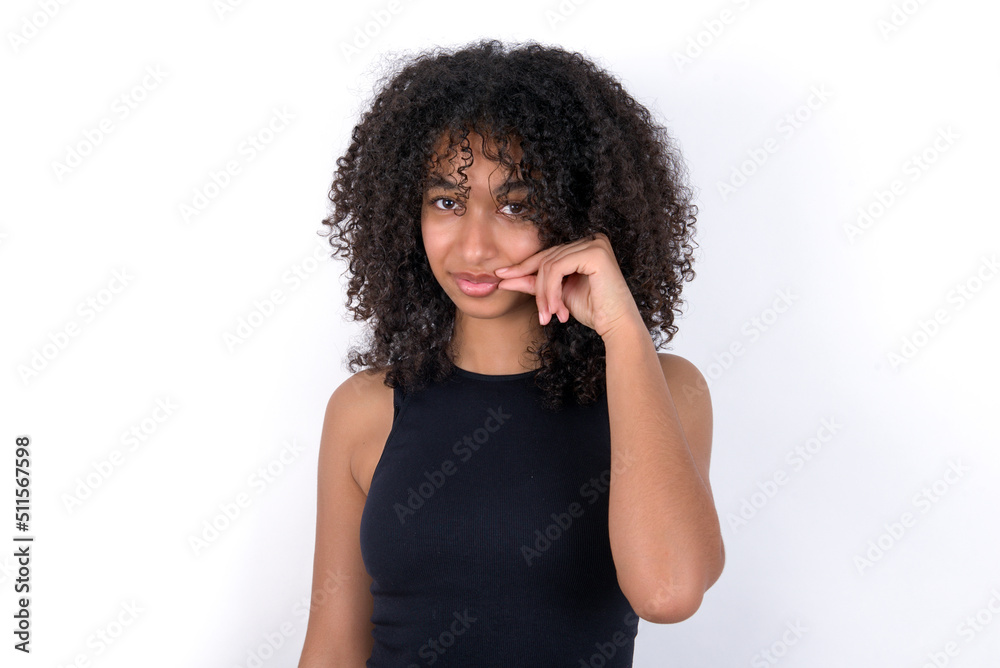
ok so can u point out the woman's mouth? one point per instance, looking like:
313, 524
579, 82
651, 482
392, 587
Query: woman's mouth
478, 286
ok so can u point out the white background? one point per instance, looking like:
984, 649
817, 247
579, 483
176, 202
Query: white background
855, 297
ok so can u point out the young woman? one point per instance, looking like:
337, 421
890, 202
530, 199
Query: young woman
513, 476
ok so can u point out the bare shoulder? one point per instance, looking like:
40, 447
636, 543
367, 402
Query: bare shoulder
359, 390
685, 378
689, 391
359, 416
339, 629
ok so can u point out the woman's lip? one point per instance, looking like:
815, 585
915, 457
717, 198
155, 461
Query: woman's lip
474, 289
477, 278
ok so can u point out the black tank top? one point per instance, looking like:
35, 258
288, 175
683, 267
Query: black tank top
485, 532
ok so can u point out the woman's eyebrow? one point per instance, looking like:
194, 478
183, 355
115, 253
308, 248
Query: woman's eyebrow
439, 181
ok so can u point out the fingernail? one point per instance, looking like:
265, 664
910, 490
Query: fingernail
502, 270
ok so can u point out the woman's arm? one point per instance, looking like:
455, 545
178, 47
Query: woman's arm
338, 634
664, 528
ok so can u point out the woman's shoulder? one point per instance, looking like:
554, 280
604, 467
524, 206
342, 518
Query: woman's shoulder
364, 381
360, 413
688, 388
360, 405
681, 371
361, 395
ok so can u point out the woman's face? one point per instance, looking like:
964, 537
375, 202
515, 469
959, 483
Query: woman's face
467, 237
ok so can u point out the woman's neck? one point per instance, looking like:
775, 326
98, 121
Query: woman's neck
496, 346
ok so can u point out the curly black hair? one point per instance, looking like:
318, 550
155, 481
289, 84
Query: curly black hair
593, 160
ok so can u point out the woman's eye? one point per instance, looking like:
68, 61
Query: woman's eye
444, 203
515, 209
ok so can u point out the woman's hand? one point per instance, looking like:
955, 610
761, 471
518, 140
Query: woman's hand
580, 278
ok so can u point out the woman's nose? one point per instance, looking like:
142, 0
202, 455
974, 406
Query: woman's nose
478, 242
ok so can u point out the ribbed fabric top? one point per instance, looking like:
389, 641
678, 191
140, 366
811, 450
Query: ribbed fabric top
485, 532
